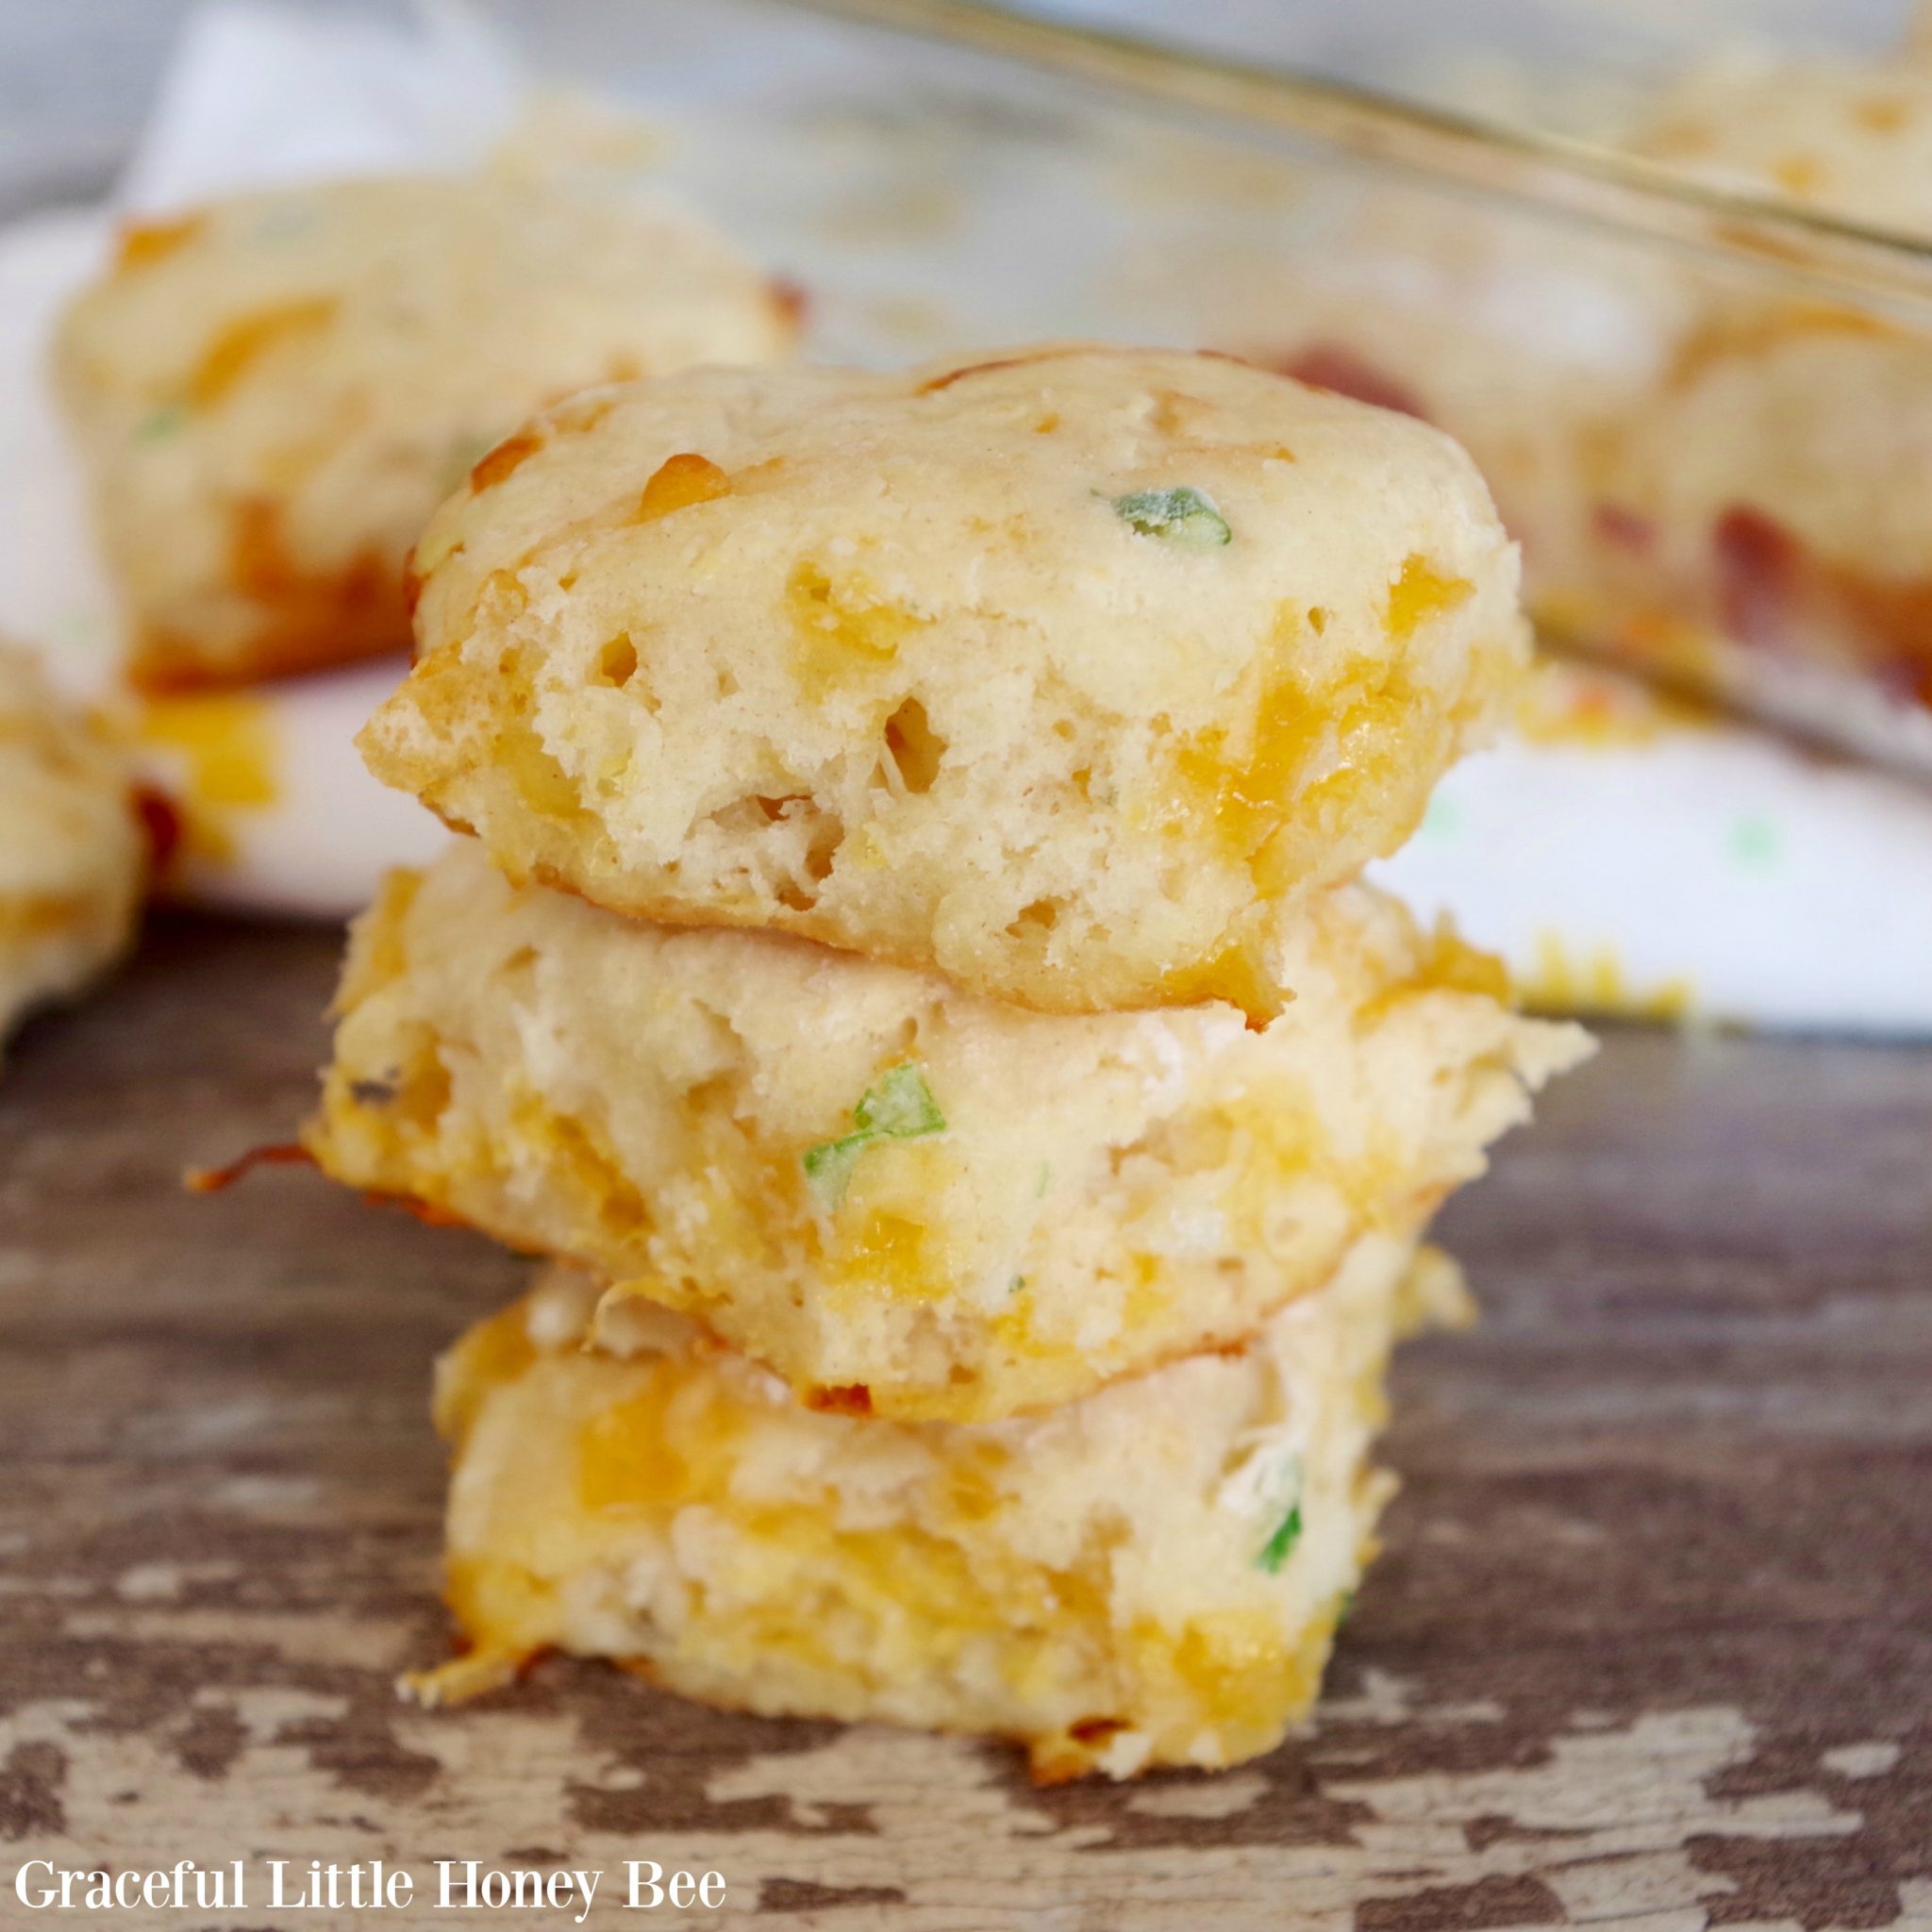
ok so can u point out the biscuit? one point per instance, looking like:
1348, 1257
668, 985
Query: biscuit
72, 857
1151, 1577
1773, 484
901, 1197
1778, 488
1851, 137
1058, 673
1528, 345
271, 393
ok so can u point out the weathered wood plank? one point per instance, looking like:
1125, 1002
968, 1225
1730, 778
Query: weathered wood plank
1652, 1643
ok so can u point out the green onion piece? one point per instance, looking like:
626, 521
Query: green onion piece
898, 1106
287, 219
1275, 1549
828, 1167
1183, 517
161, 423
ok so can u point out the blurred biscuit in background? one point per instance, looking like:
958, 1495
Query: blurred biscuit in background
73, 852
271, 393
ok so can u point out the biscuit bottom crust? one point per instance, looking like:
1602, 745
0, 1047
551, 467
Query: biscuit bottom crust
335, 622
1151, 1577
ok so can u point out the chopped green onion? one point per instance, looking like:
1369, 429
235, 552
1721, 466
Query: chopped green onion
286, 219
1275, 1551
161, 423
898, 1106
828, 1167
1183, 516
1014, 1286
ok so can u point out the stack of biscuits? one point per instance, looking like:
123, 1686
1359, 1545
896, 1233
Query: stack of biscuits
903, 966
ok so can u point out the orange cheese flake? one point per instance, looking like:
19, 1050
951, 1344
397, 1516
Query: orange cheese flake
1238, 974
238, 347
142, 244
889, 1251
1420, 593
678, 482
624, 1455
501, 461
842, 630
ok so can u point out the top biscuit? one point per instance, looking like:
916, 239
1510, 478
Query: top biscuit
273, 393
1057, 672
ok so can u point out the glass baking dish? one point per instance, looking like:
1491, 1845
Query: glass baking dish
1664, 270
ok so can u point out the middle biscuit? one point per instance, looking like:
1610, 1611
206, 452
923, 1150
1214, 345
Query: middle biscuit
903, 1198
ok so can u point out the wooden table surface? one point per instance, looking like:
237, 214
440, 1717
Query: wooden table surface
1651, 1644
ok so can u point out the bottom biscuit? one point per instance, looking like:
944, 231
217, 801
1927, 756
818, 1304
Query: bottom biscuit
1151, 1576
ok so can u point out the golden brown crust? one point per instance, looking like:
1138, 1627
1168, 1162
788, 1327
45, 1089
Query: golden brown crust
935, 384
169, 666
309, 619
